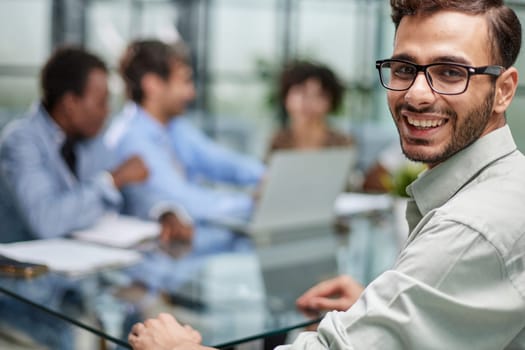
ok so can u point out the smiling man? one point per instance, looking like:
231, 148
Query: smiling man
459, 282
435, 112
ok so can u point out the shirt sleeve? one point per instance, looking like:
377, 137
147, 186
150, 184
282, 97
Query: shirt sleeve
204, 157
50, 209
449, 290
167, 185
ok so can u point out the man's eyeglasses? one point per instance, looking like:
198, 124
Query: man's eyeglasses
443, 78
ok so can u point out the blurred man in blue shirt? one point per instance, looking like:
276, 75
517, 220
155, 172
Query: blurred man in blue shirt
54, 163
158, 80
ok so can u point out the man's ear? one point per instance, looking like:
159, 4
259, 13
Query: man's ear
69, 100
150, 84
505, 89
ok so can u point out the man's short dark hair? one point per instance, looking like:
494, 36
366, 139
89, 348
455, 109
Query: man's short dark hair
149, 56
297, 72
503, 23
67, 71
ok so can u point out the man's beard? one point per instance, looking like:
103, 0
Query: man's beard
464, 131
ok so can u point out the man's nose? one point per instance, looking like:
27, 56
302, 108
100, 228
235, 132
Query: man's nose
420, 92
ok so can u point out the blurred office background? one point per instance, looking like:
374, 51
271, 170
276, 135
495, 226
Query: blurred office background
237, 47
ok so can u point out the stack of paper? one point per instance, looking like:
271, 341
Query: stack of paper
119, 231
69, 256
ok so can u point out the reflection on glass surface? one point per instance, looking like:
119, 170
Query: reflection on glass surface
289, 266
52, 292
230, 287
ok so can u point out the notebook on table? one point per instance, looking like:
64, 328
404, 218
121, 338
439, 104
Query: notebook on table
69, 256
119, 231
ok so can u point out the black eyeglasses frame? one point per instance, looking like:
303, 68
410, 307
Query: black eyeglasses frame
493, 70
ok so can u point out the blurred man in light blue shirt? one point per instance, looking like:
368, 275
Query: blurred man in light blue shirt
54, 162
180, 158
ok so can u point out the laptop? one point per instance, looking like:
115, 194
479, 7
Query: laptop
300, 190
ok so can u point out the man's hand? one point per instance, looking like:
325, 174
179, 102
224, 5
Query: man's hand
164, 333
132, 170
174, 229
256, 195
335, 294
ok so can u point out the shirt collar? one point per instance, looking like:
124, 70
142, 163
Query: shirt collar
436, 186
56, 134
148, 124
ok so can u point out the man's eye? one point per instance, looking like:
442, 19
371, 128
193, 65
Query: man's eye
450, 72
403, 70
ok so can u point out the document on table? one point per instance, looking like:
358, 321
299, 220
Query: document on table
70, 256
119, 231
351, 203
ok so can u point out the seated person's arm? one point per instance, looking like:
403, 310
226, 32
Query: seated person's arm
48, 209
168, 186
338, 293
432, 299
204, 156
173, 224
130, 171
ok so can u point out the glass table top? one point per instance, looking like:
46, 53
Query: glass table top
232, 288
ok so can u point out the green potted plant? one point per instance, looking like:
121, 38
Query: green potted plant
397, 183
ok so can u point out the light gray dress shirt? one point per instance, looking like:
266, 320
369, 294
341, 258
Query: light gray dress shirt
459, 282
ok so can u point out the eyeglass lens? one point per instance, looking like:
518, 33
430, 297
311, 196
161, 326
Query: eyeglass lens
445, 78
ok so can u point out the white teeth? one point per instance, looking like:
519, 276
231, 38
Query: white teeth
425, 123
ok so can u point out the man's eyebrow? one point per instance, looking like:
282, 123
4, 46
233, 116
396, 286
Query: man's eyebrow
438, 59
404, 57
452, 59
